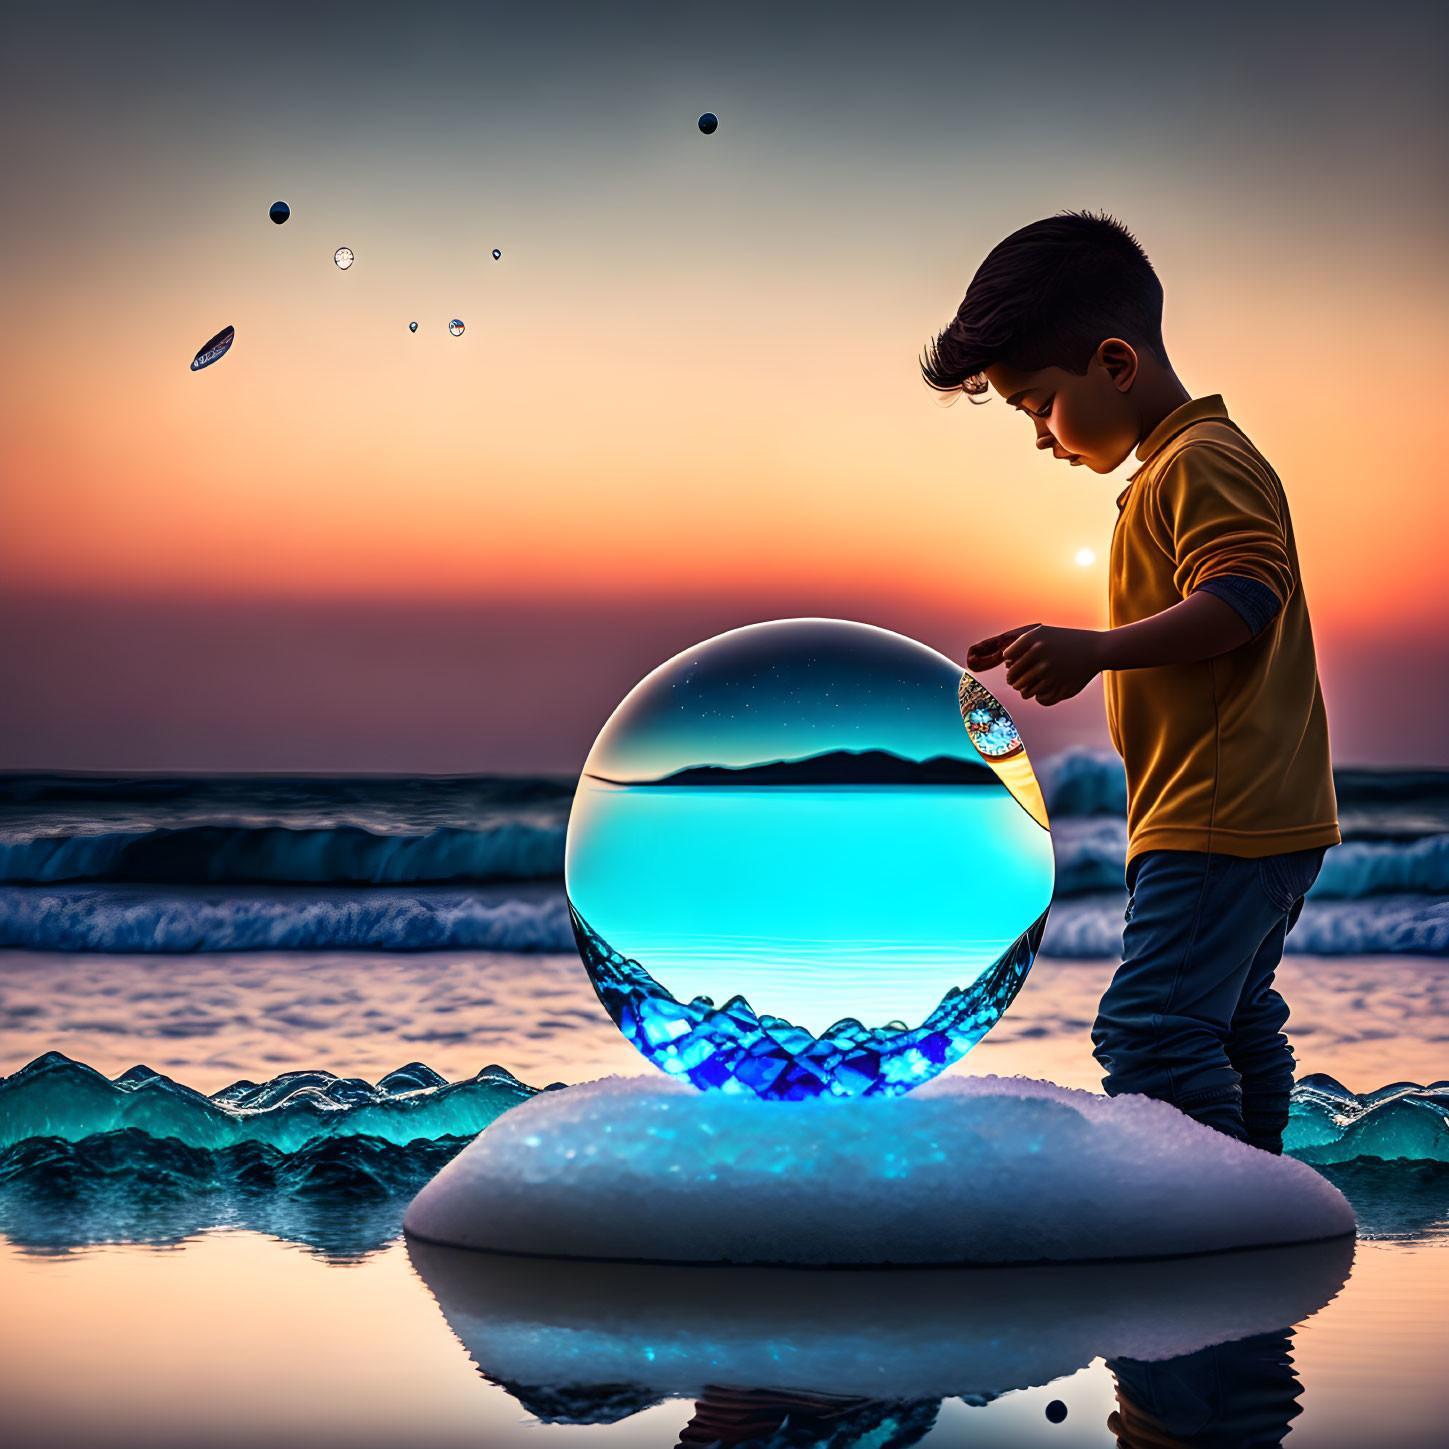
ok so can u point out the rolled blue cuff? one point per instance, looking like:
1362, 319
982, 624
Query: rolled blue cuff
1257, 604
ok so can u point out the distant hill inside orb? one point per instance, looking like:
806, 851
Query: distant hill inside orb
835, 767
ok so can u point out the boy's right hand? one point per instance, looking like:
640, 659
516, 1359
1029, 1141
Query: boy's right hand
988, 653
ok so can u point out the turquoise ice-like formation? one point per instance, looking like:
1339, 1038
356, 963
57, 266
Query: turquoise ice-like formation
808, 858
56, 1097
1401, 1122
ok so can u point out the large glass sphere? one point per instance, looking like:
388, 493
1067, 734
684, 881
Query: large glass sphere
808, 858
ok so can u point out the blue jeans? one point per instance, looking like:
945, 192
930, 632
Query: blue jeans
1191, 1016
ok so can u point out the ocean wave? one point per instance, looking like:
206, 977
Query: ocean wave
122, 919
129, 919
1080, 781
272, 854
1091, 856
1091, 926
1373, 804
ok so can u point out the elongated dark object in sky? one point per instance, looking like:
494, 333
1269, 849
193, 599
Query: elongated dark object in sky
214, 349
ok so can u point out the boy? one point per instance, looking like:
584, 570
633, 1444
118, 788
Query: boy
1208, 667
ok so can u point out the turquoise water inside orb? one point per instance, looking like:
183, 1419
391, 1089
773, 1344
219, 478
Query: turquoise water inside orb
791, 870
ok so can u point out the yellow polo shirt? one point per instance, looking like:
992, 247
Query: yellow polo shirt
1229, 755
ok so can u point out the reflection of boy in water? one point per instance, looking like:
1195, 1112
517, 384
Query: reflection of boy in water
735, 1418
1209, 670
1232, 1396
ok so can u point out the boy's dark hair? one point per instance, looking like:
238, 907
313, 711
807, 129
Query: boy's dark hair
1048, 296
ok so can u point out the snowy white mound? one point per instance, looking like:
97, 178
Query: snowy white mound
964, 1170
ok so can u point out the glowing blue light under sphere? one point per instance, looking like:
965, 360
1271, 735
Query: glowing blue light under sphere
808, 858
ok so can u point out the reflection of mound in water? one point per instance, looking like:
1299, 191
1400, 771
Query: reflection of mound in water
715, 1046
592, 1342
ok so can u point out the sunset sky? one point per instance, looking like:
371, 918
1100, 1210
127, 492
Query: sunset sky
688, 394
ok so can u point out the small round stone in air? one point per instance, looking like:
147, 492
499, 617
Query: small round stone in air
280, 212
1056, 1411
497, 255
412, 326
709, 123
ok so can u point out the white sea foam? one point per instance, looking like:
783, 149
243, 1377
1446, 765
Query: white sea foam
978, 1170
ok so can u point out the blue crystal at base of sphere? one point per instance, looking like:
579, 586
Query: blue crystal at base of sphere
731, 1049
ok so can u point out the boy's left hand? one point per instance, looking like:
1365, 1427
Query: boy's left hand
1049, 665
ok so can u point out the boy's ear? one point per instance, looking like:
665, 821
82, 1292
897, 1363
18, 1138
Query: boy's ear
1119, 360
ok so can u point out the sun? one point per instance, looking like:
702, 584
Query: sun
1085, 558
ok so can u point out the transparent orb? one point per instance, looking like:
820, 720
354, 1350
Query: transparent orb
343, 257
709, 123
280, 212
497, 255
808, 858
412, 326
455, 327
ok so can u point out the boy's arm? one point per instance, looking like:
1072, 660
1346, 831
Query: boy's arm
1221, 523
1049, 664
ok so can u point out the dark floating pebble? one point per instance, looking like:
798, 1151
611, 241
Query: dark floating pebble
496, 254
1056, 1411
412, 326
280, 212
709, 123
216, 348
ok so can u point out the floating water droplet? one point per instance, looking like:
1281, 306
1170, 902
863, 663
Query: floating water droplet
455, 327
412, 326
496, 254
280, 212
213, 350
709, 123
889, 868
343, 257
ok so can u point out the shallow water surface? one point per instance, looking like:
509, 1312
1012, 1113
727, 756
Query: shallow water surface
147, 1305
237, 1340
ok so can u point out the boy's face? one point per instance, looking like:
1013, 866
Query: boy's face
1088, 419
